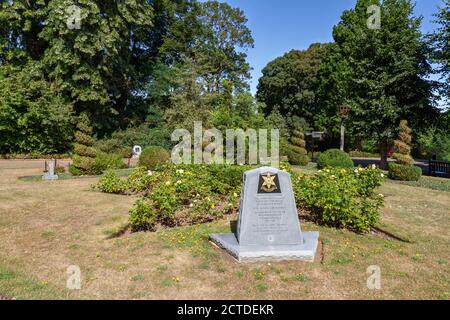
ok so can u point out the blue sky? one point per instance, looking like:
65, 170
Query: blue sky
282, 25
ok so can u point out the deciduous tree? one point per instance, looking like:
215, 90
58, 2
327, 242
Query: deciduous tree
291, 82
381, 71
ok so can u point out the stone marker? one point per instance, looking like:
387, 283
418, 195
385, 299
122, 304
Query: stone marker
49, 171
137, 150
268, 227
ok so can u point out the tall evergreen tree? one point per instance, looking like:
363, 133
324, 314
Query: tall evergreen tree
222, 47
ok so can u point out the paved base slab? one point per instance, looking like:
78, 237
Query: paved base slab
50, 176
303, 252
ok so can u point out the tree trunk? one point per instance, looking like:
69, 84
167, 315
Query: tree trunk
384, 155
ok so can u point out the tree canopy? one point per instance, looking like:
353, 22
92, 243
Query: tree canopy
150, 66
123, 61
383, 70
291, 82
440, 42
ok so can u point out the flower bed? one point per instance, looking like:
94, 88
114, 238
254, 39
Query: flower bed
341, 197
191, 194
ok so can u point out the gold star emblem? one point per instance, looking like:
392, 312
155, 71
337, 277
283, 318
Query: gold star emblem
269, 184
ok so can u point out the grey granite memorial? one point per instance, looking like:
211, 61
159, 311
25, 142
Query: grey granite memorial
49, 170
268, 226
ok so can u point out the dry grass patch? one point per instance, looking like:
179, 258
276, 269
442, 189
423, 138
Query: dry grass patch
47, 226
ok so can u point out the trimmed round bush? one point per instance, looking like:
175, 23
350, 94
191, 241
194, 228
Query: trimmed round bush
84, 151
334, 158
153, 156
295, 156
105, 161
296, 152
404, 173
83, 138
84, 164
404, 159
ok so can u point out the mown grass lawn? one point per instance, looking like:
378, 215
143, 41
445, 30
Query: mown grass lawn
47, 226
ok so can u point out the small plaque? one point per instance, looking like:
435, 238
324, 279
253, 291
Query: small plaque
269, 183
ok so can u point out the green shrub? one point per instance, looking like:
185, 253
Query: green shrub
341, 197
296, 152
125, 152
140, 179
435, 142
402, 145
104, 161
111, 183
84, 151
334, 158
143, 217
228, 176
363, 154
74, 170
83, 138
404, 172
153, 156
84, 165
142, 135
180, 195
177, 195
84, 157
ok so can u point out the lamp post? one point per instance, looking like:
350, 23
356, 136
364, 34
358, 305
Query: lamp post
343, 112
314, 135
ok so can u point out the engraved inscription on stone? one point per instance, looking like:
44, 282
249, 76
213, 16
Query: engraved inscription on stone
270, 213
